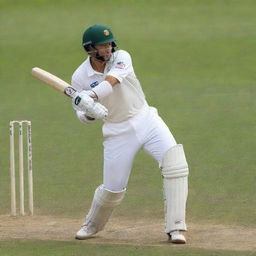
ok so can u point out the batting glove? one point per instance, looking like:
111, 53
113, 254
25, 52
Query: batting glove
85, 103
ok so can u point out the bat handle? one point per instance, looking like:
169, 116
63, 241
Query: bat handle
70, 91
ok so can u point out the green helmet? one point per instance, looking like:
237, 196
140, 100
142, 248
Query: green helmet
97, 34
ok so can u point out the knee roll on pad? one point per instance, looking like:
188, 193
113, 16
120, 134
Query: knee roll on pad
103, 204
175, 188
108, 198
174, 163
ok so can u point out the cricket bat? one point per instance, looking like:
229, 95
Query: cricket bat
53, 81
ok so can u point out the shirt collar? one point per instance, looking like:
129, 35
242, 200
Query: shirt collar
89, 68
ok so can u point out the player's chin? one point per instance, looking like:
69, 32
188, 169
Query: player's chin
107, 57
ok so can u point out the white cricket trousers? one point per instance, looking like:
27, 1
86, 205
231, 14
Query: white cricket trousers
146, 131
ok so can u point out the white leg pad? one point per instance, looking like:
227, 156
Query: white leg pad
103, 204
175, 181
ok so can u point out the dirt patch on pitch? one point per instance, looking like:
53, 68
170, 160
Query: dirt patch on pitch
129, 232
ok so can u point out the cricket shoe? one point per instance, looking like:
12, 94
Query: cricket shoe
85, 232
176, 237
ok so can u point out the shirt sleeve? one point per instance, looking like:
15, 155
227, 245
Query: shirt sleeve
122, 66
76, 84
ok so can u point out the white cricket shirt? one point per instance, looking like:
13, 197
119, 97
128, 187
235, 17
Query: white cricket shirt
127, 98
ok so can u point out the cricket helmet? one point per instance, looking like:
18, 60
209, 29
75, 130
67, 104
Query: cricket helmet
97, 34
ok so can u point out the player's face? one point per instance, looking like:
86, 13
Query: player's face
104, 50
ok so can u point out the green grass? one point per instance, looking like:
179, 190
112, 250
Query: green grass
195, 60
39, 248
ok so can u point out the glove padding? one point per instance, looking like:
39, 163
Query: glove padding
83, 117
85, 103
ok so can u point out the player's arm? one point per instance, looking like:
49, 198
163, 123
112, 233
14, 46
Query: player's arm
105, 88
119, 71
112, 80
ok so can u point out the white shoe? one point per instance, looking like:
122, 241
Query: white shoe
85, 232
176, 237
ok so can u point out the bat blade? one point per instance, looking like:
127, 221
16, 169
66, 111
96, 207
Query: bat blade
53, 81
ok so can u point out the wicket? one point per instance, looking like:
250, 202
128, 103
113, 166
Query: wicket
21, 168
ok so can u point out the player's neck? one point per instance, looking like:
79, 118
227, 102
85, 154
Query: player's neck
97, 65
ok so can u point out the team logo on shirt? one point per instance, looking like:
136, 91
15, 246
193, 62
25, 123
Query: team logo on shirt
120, 65
92, 85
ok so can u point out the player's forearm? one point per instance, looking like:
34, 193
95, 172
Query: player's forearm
105, 88
112, 80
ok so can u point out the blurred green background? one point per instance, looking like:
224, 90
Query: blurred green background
196, 63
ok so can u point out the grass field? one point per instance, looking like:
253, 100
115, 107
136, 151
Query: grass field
196, 62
